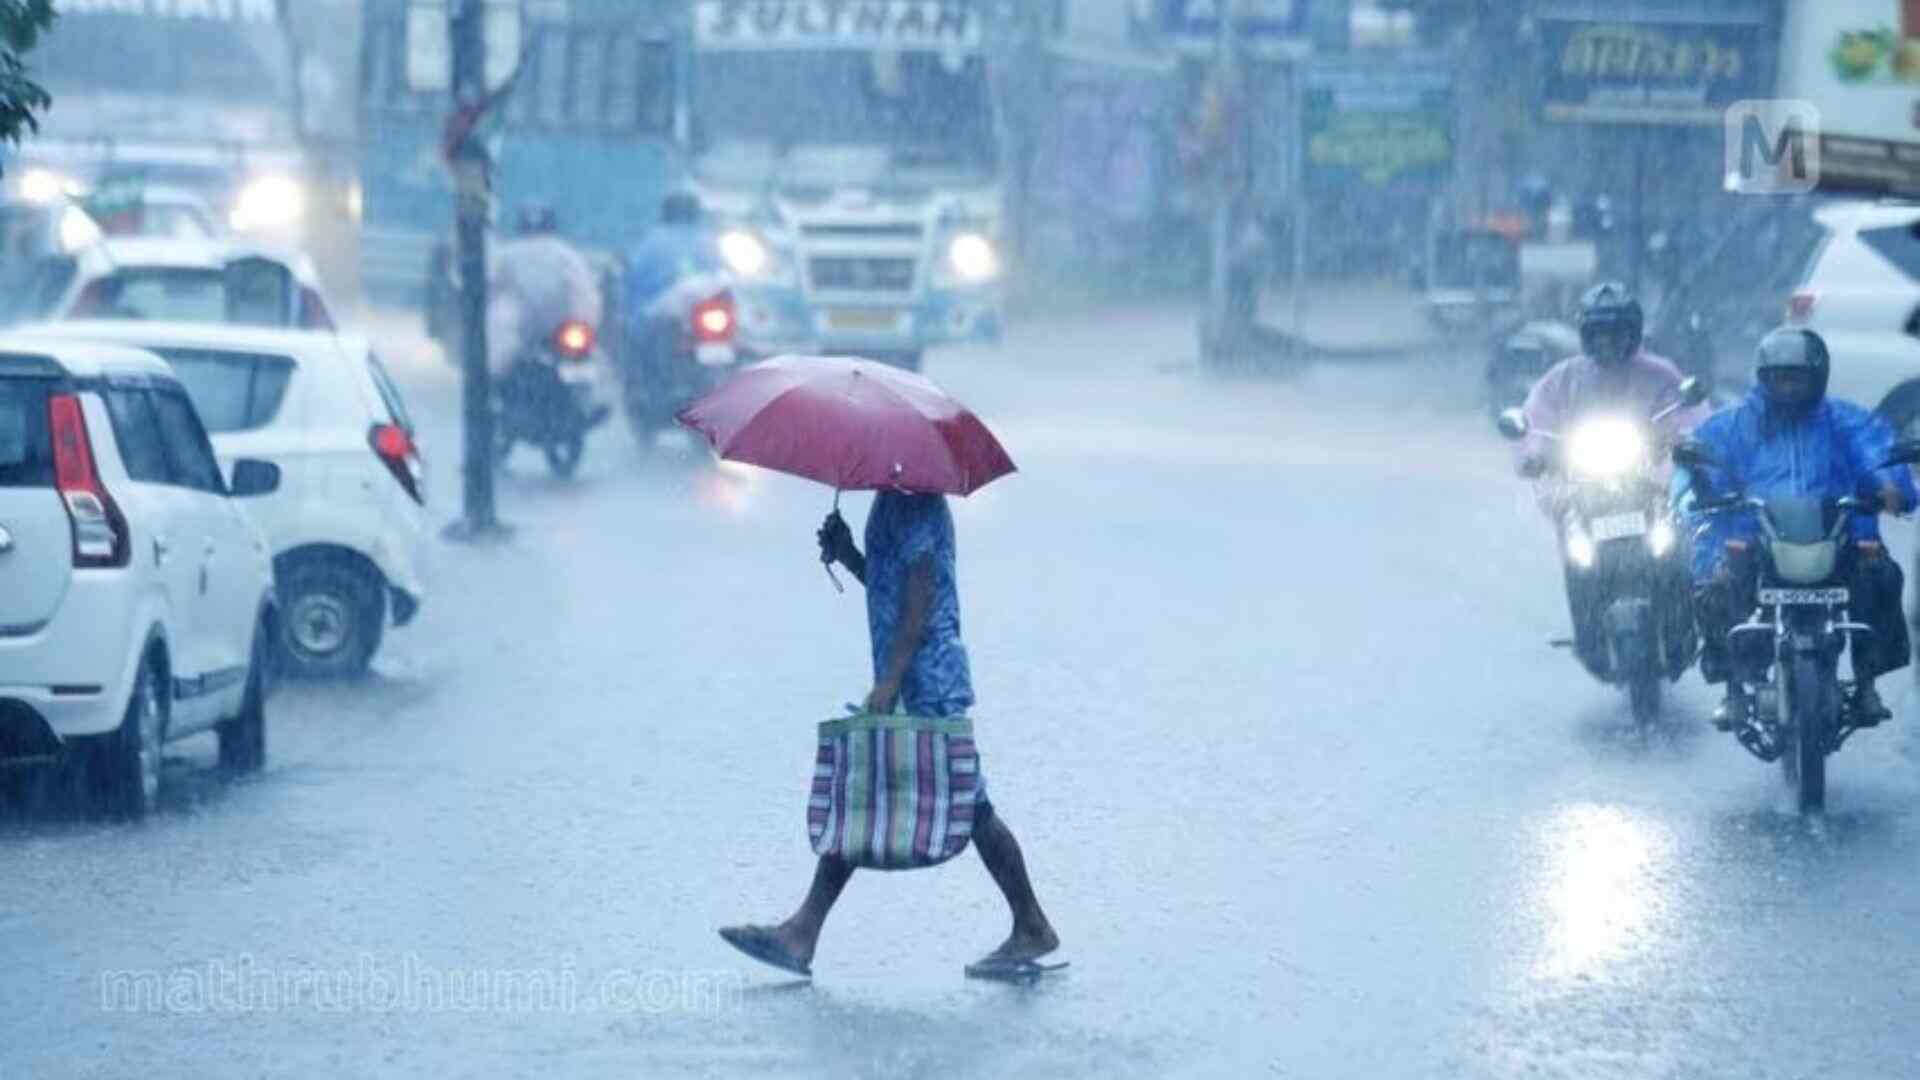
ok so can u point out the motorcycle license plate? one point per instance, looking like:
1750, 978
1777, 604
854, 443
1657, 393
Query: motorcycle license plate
714, 355
1803, 597
575, 374
1618, 526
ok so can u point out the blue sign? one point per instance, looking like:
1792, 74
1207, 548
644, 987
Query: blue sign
1255, 20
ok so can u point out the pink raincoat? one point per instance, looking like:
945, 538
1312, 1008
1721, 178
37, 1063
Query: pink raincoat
1578, 385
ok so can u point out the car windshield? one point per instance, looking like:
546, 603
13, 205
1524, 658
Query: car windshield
248, 293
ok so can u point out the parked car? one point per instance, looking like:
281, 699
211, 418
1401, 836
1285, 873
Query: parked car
173, 280
1860, 289
136, 598
348, 524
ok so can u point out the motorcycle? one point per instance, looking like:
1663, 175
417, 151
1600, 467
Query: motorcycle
1621, 551
549, 398
688, 345
1790, 704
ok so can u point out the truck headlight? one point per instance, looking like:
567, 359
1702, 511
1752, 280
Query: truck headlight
744, 253
269, 202
1606, 448
972, 259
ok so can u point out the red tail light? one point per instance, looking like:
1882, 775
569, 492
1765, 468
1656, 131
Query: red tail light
573, 340
1800, 306
401, 455
99, 529
713, 320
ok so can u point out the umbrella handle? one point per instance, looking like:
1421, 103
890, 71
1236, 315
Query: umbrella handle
837, 587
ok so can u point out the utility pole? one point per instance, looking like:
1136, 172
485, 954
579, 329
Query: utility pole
467, 156
1226, 74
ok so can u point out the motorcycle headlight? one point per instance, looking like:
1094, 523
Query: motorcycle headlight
1605, 448
1660, 538
972, 259
1580, 548
269, 202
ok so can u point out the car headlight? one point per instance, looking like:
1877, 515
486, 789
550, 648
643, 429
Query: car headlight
972, 259
270, 202
46, 186
1606, 448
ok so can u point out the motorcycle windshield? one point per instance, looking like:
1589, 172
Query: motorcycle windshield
1800, 519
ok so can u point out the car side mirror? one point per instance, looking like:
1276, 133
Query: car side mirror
1905, 452
1513, 424
1692, 454
1693, 392
252, 477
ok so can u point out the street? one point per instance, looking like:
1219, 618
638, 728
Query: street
1264, 692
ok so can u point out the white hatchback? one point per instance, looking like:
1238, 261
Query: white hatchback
136, 599
348, 524
1861, 292
152, 279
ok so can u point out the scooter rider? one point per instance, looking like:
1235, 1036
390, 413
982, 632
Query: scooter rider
1788, 438
1613, 373
539, 282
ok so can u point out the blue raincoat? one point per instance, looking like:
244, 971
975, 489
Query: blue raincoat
1762, 452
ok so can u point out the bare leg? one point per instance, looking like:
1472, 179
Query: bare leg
802, 930
1032, 934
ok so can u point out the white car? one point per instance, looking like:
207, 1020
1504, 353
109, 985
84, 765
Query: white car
136, 598
1861, 292
348, 525
148, 279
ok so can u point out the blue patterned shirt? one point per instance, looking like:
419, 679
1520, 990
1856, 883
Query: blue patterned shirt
900, 529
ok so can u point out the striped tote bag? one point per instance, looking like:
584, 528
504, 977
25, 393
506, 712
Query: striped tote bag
893, 792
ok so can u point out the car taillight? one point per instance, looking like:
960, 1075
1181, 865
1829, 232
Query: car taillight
99, 529
573, 340
1800, 306
713, 320
401, 455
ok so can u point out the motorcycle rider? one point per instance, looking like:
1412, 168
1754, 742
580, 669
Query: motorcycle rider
681, 250
539, 282
1613, 373
1788, 438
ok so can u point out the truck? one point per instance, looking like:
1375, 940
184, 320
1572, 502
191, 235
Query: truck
845, 150
849, 152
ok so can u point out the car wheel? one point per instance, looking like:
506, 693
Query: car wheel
243, 739
123, 766
333, 619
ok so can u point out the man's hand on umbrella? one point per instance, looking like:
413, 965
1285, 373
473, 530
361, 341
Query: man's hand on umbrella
837, 546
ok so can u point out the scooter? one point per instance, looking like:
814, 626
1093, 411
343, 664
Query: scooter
549, 398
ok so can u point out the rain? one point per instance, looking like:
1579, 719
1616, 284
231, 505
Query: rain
1376, 538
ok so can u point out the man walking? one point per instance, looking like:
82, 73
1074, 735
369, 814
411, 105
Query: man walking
919, 664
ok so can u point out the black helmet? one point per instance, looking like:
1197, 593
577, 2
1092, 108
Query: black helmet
1611, 323
536, 218
680, 208
1792, 365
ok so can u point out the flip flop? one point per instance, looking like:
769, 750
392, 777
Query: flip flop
759, 943
1002, 969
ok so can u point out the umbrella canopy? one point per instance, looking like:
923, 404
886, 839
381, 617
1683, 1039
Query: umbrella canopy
852, 424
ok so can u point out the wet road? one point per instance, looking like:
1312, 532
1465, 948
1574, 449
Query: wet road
1264, 693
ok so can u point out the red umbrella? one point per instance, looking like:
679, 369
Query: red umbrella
852, 424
